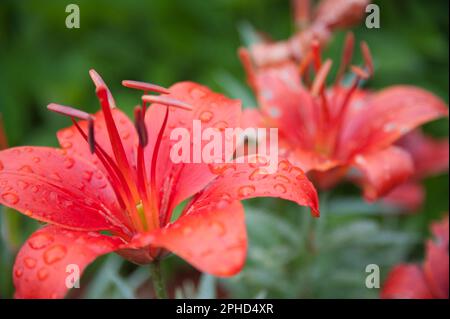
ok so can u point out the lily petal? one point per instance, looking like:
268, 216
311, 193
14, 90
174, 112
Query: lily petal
436, 268
406, 282
51, 186
408, 196
46, 261
238, 181
213, 240
392, 113
383, 170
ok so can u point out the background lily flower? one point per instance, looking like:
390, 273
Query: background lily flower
430, 157
112, 187
429, 280
328, 131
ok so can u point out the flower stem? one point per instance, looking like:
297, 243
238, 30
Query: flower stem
158, 282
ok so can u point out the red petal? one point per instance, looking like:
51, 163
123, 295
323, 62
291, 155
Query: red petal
383, 170
408, 196
213, 240
240, 181
391, 113
286, 104
440, 232
72, 141
406, 282
436, 269
41, 267
51, 186
214, 110
430, 156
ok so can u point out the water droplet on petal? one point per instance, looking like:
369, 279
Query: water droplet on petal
219, 169
283, 165
87, 175
66, 144
218, 228
280, 188
197, 93
56, 177
26, 169
35, 189
30, 262
36, 159
10, 198
28, 213
282, 178
206, 116
258, 174
187, 231
42, 273
246, 190
69, 162
221, 125
55, 254
40, 241
18, 272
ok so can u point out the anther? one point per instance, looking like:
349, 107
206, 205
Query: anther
368, 61
165, 100
146, 87
141, 128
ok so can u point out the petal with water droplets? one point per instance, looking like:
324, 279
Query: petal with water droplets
55, 189
252, 178
53, 253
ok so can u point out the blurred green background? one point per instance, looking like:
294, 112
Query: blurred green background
291, 255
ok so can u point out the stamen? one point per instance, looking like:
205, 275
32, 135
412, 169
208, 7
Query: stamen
246, 60
168, 101
91, 136
302, 13
98, 81
315, 47
367, 56
320, 78
69, 111
359, 72
347, 54
143, 86
141, 129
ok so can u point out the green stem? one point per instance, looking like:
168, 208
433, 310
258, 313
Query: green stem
158, 282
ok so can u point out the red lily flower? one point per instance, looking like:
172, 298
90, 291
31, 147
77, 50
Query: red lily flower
430, 280
328, 131
312, 25
430, 157
113, 176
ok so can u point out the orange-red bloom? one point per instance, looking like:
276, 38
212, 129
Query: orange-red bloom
430, 157
328, 131
429, 280
112, 187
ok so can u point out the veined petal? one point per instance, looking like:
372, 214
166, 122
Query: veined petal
51, 186
252, 178
213, 240
406, 282
383, 170
52, 256
392, 113
181, 180
72, 141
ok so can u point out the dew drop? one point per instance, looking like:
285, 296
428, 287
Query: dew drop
206, 116
283, 165
197, 93
69, 163
221, 125
18, 272
280, 188
10, 198
246, 190
219, 169
218, 228
36, 159
258, 174
40, 241
66, 144
56, 177
282, 178
30, 262
43, 273
28, 213
26, 169
35, 189
55, 254
87, 175
187, 231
